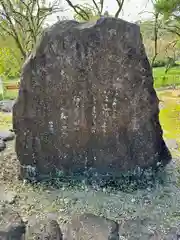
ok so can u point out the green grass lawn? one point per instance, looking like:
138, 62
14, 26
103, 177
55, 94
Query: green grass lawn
163, 80
170, 114
5, 121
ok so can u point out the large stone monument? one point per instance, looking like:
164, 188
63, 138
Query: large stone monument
86, 100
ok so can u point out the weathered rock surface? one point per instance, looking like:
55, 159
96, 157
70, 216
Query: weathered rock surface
86, 226
87, 100
89, 226
11, 225
2, 145
139, 228
173, 234
44, 230
6, 135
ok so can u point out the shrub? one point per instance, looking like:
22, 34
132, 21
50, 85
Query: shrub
9, 64
165, 63
159, 63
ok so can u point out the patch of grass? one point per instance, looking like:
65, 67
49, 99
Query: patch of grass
163, 80
169, 117
5, 120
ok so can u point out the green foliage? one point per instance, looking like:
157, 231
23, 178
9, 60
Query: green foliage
10, 58
169, 115
5, 121
86, 11
147, 30
9, 66
168, 8
159, 63
21, 25
24, 20
169, 79
164, 63
167, 43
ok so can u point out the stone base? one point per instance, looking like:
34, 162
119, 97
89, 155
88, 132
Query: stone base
139, 178
2, 145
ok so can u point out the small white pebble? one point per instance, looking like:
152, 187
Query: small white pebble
66, 200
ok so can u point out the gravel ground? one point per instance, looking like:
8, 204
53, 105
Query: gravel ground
141, 213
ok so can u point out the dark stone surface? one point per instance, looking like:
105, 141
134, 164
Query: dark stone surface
11, 225
173, 234
139, 228
89, 226
6, 135
2, 145
87, 100
44, 230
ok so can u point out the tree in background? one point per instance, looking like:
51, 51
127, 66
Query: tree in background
170, 12
156, 27
87, 12
10, 58
160, 43
21, 24
23, 20
93, 10
170, 9
9, 64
